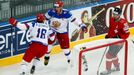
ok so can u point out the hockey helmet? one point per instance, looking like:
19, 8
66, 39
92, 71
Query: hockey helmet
117, 11
40, 17
59, 3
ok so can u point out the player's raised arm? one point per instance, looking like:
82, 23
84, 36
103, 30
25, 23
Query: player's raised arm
14, 22
78, 23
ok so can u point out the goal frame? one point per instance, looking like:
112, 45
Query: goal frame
104, 45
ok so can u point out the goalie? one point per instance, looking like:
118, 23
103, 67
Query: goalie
118, 29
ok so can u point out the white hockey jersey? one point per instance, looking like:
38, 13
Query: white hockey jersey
64, 18
39, 32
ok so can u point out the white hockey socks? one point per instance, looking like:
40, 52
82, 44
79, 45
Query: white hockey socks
49, 50
67, 53
24, 67
36, 61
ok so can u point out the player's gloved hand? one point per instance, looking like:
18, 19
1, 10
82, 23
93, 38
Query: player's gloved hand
117, 36
84, 28
112, 37
107, 37
13, 21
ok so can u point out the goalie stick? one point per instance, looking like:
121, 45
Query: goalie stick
101, 61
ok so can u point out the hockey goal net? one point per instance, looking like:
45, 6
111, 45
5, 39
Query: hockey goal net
91, 56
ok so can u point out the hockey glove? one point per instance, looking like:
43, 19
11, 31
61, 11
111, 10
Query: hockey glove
112, 37
13, 21
107, 37
117, 36
84, 28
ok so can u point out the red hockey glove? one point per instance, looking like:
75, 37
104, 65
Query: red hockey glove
13, 21
107, 37
117, 36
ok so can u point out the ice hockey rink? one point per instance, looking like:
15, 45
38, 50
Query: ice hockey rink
59, 66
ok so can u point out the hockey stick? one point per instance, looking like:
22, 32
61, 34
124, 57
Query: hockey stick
11, 11
101, 61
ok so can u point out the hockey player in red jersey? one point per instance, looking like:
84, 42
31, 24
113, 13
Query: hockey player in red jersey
39, 32
59, 22
118, 29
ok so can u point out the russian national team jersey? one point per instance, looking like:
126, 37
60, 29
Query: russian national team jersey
39, 32
64, 18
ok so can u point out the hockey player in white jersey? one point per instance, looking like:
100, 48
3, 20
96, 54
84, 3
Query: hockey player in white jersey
39, 32
59, 22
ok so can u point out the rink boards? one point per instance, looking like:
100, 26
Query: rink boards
13, 53
56, 49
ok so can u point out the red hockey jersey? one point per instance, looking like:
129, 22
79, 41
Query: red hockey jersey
119, 28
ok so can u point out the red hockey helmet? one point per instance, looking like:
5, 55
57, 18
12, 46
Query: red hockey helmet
40, 17
59, 4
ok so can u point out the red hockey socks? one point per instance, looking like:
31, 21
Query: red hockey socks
108, 61
115, 62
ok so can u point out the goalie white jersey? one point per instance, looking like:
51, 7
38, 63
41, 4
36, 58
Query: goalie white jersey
39, 32
64, 18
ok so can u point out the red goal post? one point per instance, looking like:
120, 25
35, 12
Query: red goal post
92, 48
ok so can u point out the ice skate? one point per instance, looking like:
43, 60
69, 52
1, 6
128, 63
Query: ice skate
116, 68
70, 63
46, 60
105, 72
23, 73
32, 70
